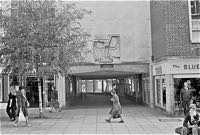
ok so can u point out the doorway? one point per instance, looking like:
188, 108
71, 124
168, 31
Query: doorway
32, 91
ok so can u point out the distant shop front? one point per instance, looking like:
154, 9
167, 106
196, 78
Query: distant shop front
169, 75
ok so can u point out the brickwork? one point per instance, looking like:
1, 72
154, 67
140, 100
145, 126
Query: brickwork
170, 28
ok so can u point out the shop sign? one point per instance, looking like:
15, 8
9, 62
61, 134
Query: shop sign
157, 70
185, 67
177, 68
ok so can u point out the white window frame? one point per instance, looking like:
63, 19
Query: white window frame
156, 96
190, 22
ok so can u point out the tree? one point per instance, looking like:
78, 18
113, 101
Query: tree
40, 36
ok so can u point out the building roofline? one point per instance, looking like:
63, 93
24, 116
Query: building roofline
175, 58
121, 63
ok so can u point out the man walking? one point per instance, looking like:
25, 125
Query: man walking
185, 97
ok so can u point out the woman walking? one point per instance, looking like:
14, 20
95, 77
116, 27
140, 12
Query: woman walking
22, 104
116, 110
11, 106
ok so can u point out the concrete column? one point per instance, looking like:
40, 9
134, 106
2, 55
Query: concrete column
151, 84
60, 86
79, 85
169, 94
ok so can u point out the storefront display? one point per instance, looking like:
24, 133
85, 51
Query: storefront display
169, 76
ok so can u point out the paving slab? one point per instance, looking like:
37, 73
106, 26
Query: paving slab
91, 120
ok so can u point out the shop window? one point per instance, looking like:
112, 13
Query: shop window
158, 92
71, 89
164, 92
178, 85
83, 86
137, 85
128, 87
160, 87
133, 86
109, 85
99, 86
105, 85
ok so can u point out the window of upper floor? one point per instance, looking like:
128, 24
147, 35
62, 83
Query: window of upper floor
194, 21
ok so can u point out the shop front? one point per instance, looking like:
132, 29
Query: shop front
169, 75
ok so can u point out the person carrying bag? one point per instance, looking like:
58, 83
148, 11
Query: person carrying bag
23, 105
21, 116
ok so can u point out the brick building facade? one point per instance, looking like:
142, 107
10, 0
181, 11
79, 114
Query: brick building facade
170, 29
175, 49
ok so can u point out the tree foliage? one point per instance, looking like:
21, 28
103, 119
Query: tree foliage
42, 31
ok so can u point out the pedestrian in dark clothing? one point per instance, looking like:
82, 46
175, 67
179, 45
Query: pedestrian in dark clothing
11, 106
191, 122
185, 97
54, 100
22, 105
116, 110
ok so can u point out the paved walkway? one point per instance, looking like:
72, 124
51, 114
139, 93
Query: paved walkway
91, 120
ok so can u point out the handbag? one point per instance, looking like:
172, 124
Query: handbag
21, 116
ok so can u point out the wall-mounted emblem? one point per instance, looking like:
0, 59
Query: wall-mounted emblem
106, 49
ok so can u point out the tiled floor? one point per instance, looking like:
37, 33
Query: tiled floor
91, 120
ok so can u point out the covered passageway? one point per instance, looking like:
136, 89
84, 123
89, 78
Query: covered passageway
91, 84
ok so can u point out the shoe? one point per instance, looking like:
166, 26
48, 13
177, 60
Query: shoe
107, 120
15, 124
27, 125
60, 110
13, 119
50, 111
121, 121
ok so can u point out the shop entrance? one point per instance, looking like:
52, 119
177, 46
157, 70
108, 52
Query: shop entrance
194, 83
32, 92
